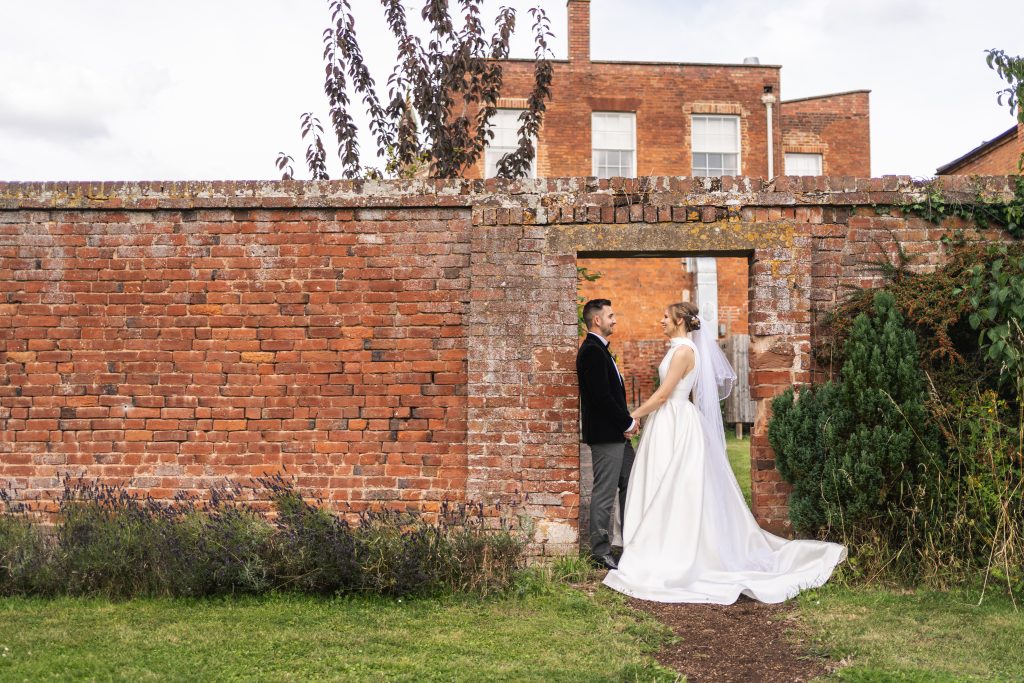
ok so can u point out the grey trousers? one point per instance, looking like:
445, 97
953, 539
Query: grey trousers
612, 464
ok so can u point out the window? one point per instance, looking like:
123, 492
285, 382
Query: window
803, 164
505, 124
716, 145
613, 143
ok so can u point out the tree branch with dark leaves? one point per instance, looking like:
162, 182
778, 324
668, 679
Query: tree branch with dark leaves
285, 165
316, 155
441, 98
336, 89
517, 164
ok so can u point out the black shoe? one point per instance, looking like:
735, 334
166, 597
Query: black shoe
606, 561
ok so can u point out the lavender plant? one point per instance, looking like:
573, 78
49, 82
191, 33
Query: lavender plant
110, 542
25, 566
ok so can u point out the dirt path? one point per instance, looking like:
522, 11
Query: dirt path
747, 641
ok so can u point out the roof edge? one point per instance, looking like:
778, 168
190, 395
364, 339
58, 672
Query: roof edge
831, 94
650, 63
998, 140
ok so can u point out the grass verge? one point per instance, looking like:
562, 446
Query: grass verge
739, 457
556, 634
885, 635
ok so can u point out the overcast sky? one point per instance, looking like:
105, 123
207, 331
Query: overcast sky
213, 89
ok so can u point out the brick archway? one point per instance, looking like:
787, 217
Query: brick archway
779, 322
807, 240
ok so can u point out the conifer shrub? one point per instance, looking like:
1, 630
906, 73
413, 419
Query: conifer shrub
921, 478
797, 434
878, 435
854, 450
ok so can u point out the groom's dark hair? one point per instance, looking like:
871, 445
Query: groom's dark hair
593, 307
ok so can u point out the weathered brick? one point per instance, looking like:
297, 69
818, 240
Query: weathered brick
400, 356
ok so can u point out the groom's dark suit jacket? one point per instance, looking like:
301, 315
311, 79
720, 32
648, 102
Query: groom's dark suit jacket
602, 395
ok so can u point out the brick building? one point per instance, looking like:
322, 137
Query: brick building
998, 156
630, 119
618, 118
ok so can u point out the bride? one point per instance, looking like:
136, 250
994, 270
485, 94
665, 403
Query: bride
688, 535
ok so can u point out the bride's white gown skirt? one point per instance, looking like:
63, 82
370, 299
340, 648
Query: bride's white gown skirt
688, 535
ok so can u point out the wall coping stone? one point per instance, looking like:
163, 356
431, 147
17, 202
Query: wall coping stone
543, 193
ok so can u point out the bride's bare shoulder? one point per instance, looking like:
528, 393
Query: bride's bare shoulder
683, 355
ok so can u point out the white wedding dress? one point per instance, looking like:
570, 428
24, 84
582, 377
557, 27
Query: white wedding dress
688, 535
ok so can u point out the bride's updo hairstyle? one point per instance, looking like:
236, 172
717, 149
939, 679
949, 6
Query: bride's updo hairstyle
685, 312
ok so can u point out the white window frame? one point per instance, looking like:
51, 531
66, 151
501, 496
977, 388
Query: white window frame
803, 156
698, 144
596, 118
505, 124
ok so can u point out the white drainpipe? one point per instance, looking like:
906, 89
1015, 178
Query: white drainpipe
769, 100
706, 271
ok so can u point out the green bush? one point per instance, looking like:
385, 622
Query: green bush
110, 543
391, 553
797, 435
232, 552
921, 486
878, 436
314, 550
853, 450
481, 560
976, 522
996, 296
398, 555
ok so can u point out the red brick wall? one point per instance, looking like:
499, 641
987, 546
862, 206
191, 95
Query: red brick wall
733, 294
835, 126
174, 335
174, 349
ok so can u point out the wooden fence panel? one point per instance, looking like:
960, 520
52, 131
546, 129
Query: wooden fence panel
738, 406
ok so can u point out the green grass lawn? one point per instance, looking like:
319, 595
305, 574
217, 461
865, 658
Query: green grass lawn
559, 635
887, 635
739, 458
562, 634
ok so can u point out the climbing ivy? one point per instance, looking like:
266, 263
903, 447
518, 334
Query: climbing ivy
985, 212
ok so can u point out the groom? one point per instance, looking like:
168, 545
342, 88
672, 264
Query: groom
607, 425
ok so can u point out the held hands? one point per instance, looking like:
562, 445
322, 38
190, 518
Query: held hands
634, 430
